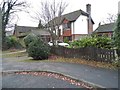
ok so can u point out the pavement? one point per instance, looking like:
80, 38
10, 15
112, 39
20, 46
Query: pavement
101, 77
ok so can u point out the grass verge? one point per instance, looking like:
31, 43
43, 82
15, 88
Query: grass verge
19, 54
77, 61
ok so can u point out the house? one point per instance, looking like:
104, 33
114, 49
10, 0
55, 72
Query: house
75, 24
22, 31
105, 29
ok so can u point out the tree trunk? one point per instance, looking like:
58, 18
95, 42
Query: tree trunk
3, 38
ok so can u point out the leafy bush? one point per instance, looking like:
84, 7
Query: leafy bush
12, 42
94, 41
29, 38
38, 50
116, 63
66, 40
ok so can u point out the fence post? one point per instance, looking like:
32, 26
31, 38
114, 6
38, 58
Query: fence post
94, 53
115, 54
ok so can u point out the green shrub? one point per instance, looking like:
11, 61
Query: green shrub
94, 41
29, 38
66, 40
12, 42
38, 50
116, 63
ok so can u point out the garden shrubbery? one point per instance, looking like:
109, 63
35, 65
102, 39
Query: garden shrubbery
29, 38
12, 42
36, 48
93, 41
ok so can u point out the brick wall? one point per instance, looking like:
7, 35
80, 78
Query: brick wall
67, 32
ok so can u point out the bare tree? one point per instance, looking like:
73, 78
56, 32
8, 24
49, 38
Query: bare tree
111, 18
51, 16
9, 9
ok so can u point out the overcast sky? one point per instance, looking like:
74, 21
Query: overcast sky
99, 10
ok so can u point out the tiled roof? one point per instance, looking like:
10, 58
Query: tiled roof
105, 28
70, 16
40, 32
74, 15
24, 29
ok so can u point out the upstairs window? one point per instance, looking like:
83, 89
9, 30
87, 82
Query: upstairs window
67, 26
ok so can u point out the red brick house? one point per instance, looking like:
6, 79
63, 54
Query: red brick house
75, 24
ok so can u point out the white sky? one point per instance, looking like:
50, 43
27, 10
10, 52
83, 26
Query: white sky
99, 10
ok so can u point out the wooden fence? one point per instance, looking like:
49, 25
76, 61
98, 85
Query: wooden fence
88, 53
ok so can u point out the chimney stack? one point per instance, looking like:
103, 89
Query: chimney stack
90, 24
88, 9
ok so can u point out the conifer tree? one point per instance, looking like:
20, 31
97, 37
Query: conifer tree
117, 33
116, 36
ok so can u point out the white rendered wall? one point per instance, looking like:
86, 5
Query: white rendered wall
61, 28
72, 27
80, 25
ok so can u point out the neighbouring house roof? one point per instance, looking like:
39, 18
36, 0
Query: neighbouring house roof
105, 28
70, 17
40, 32
28, 29
21, 31
24, 29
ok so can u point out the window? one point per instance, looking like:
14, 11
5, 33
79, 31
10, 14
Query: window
67, 25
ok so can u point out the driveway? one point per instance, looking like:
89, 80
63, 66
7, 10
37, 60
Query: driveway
97, 76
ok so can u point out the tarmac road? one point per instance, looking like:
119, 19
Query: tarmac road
99, 76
